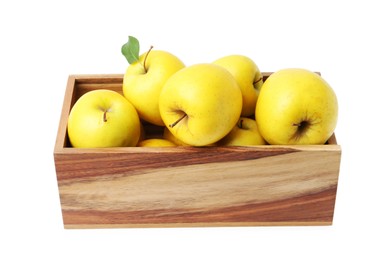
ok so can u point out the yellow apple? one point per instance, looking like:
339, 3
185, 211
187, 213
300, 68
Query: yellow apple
200, 104
144, 79
155, 142
245, 132
296, 106
103, 118
170, 137
248, 77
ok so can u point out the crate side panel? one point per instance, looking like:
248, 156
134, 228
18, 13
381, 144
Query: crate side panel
288, 188
80, 163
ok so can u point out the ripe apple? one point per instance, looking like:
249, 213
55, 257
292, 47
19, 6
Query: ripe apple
245, 132
170, 137
155, 142
103, 118
248, 77
296, 106
200, 104
144, 79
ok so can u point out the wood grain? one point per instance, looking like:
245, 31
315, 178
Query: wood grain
312, 209
288, 186
191, 186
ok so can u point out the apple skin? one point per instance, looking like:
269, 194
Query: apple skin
245, 132
155, 142
170, 137
142, 88
103, 118
296, 106
200, 104
248, 77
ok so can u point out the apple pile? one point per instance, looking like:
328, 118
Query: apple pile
224, 102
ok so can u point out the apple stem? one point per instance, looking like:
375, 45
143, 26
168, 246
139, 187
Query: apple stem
301, 128
145, 58
178, 120
255, 82
104, 116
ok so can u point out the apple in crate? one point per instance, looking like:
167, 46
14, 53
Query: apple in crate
245, 132
296, 106
200, 104
103, 118
145, 77
248, 77
156, 142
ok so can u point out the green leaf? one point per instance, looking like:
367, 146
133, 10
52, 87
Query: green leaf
131, 49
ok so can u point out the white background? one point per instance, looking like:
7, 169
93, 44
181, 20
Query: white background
42, 42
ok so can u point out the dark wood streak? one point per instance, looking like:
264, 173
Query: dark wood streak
84, 165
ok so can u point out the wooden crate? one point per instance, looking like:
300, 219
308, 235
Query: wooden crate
191, 186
